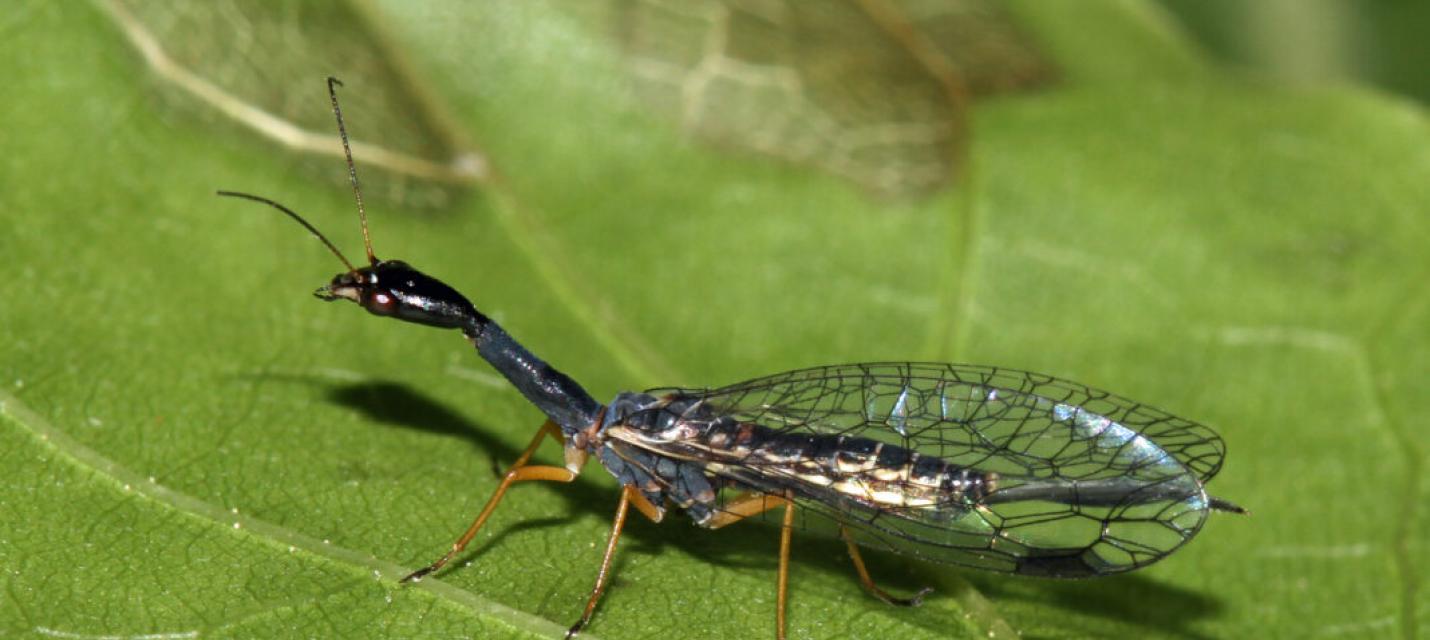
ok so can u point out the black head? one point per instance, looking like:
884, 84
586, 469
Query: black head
393, 289
389, 288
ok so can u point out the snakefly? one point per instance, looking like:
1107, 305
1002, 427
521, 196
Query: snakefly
982, 467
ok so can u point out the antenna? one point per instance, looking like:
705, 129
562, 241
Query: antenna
311, 229
333, 83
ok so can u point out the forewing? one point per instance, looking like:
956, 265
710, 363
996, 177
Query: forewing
995, 419
1088, 483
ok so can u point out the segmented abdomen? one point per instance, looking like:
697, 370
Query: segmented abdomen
879, 474
861, 468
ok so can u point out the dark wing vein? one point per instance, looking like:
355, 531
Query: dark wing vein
1087, 482
965, 414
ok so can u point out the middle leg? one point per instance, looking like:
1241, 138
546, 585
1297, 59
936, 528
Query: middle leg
629, 495
753, 504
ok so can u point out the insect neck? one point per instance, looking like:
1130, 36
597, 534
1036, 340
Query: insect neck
553, 392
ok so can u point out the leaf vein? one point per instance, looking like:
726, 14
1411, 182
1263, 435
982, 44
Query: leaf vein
119, 476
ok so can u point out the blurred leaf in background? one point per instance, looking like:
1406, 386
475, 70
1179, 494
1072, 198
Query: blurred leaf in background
1308, 41
252, 64
193, 447
874, 91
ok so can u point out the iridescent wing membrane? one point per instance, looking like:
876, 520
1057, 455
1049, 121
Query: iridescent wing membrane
1083, 482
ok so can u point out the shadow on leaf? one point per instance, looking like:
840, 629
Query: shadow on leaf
1129, 599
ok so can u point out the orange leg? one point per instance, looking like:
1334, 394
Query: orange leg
519, 472
744, 506
781, 597
752, 504
629, 495
868, 582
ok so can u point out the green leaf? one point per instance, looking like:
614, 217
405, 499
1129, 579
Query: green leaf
193, 447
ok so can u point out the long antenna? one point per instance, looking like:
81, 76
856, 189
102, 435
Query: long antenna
352, 170
311, 229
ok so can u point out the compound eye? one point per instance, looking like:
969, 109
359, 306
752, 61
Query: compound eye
382, 303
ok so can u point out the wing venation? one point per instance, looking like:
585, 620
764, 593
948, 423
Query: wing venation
1083, 482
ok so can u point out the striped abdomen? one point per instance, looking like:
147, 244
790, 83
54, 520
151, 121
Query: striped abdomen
867, 470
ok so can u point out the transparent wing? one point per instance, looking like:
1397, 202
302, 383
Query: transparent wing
1086, 482
1016, 421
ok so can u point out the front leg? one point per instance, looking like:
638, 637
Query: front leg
519, 472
